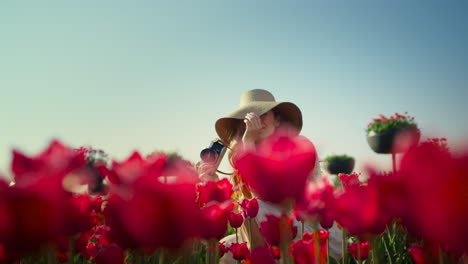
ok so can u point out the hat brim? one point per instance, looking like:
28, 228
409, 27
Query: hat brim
227, 126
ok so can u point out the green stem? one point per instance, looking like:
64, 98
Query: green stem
70, 253
208, 254
200, 250
359, 252
237, 237
302, 235
250, 233
441, 257
317, 246
284, 254
161, 256
390, 261
216, 251
344, 245
375, 257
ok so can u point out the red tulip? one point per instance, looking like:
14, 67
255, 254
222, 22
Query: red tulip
278, 230
82, 241
421, 255
318, 202
32, 215
359, 210
364, 249
222, 249
156, 215
306, 252
219, 191
103, 235
55, 162
92, 249
214, 219
275, 252
78, 214
235, 220
322, 236
143, 211
239, 251
278, 168
349, 180
260, 255
136, 166
436, 197
303, 252
250, 207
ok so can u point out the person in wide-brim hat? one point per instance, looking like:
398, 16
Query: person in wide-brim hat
258, 102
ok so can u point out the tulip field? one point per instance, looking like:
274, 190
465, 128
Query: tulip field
76, 206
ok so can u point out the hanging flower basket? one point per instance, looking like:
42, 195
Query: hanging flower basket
394, 134
339, 164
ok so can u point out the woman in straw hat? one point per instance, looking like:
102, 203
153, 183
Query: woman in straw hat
258, 117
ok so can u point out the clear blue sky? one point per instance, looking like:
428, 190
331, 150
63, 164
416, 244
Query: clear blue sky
155, 75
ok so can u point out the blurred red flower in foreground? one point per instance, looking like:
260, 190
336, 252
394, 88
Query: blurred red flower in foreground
418, 255
437, 201
279, 167
318, 202
363, 247
359, 210
33, 215
278, 231
148, 213
56, 161
92, 249
219, 191
214, 219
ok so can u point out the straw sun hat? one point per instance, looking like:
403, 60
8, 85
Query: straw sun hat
259, 102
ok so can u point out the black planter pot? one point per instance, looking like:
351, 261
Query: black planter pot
384, 142
340, 166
